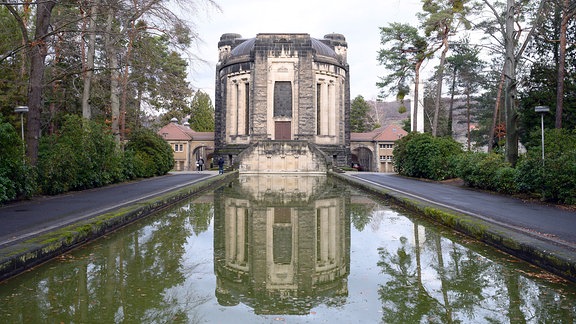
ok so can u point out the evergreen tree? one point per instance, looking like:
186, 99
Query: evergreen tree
360, 120
202, 113
403, 53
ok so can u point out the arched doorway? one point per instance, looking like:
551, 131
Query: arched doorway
363, 157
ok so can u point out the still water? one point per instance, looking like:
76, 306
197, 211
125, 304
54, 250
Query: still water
291, 249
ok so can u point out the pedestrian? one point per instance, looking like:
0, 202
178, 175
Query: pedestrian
201, 164
220, 165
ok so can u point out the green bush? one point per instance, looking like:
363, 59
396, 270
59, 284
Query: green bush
16, 176
421, 155
149, 154
487, 171
555, 181
82, 155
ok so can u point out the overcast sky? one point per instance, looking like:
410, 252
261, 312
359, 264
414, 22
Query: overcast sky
357, 20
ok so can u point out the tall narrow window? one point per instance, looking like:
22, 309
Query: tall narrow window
247, 107
282, 99
318, 101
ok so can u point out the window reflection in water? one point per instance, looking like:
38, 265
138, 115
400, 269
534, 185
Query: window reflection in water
281, 243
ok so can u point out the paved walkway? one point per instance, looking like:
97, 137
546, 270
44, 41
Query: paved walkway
26, 219
546, 222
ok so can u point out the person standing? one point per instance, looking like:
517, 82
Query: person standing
201, 163
220, 165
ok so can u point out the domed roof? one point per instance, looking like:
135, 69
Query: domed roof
247, 45
323, 49
243, 48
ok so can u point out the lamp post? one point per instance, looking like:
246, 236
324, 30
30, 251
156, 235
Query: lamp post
542, 110
21, 110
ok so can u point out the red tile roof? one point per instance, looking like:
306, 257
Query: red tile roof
177, 132
388, 133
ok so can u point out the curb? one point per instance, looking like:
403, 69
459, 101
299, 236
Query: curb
22, 256
531, 248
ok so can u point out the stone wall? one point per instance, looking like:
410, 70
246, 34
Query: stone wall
282, 157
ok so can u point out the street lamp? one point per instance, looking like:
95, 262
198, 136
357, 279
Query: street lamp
542, 110
21, 110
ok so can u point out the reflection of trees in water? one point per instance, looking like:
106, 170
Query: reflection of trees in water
440, 281
360, 215
199, 215
127, 277
404, 298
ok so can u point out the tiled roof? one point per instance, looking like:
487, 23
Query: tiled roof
388, 133
391, 133
177, 132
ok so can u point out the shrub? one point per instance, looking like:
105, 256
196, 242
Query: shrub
487, 171
16, 176
555, 180
82, 155
423, 156
149, 154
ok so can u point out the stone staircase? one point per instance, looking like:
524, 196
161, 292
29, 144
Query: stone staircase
282, 157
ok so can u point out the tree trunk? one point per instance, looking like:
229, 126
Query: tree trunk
416, 95
496, 111
439, 85
38, 52
468, 115
510, 92
561, 64
451, 110
89, 68
112, 56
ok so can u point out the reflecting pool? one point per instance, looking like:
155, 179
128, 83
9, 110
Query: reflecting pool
295, 249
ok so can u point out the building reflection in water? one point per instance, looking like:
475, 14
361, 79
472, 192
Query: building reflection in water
281, 243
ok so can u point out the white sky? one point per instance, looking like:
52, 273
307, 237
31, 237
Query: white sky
357, 20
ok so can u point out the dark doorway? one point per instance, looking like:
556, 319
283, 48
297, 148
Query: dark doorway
283, 131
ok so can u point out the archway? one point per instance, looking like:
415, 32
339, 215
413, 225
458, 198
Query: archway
363, 156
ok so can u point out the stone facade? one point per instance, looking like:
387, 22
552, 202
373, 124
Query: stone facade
373, 151
283, 87
188, 145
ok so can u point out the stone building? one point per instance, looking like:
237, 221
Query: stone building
373, 151
282, 102
188, 145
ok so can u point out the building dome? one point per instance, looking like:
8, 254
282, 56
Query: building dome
244, 47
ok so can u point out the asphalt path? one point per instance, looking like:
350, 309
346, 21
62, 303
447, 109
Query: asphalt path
25, 219
545, 221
